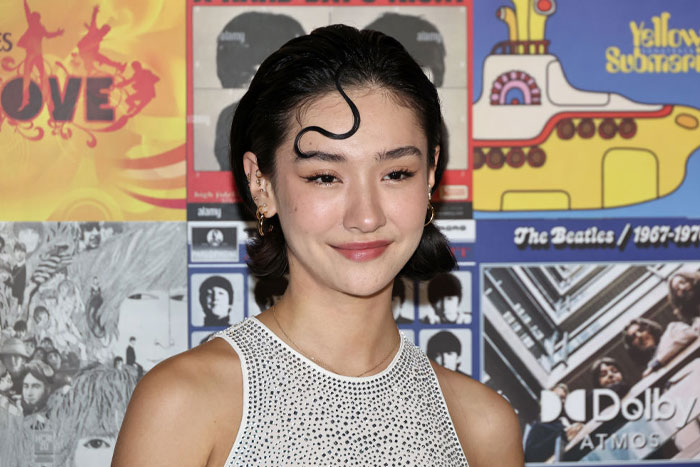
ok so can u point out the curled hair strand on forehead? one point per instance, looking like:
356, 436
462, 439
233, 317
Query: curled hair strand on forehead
323, 131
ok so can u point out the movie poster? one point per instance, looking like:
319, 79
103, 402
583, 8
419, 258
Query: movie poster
92, 110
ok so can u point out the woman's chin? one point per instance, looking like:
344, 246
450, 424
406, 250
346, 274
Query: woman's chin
364, 286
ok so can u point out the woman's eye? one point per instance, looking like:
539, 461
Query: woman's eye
322, 179
399, 175
96, 443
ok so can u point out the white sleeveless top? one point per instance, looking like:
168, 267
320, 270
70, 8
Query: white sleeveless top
298, 413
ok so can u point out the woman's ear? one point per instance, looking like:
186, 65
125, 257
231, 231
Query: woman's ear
259, 185
433, 168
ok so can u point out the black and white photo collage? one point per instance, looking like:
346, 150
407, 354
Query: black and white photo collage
86, 308
435, 314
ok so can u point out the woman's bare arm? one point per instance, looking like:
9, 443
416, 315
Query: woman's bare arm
184, 412
486, 425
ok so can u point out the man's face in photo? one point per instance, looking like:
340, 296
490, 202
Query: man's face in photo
20, 256
448, 307
449, 360
92, 238
33, 390
217, 301
14, 363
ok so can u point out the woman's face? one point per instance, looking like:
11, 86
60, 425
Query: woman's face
353, 214
609, 375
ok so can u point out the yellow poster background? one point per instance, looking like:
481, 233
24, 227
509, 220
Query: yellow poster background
130, 168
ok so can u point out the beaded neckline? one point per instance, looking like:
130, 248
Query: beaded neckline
311, 363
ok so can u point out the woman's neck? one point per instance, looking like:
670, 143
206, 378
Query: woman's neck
346, 334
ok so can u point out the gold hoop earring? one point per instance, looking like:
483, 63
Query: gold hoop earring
261, 220
432, 214
260, 213
430, 206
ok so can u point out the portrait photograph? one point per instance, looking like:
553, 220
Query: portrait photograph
449, 347
446, 299
216, 298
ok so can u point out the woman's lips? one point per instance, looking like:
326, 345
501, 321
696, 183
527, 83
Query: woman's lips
364, 251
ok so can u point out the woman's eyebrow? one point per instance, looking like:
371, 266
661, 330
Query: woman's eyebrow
399, 152
382, 156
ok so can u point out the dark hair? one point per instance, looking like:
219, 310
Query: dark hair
268, 287
638, 355
46, 342
595, 369
420, 38
686, 308
443, 342
444, 285
311, 66
19, 246
88, 226
246, 40
40, 370
210, 283
399, 290
20, 326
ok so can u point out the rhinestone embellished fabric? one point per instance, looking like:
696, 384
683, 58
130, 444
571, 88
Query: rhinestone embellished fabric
297, 413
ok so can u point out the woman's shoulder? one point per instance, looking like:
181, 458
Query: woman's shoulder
186, 409
202, 367
481, 416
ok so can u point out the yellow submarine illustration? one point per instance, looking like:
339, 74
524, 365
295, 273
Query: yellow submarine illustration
541, 144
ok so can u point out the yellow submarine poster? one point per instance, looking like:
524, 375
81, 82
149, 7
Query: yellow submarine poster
586, 109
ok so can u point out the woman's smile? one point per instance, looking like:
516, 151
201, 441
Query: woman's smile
362, 251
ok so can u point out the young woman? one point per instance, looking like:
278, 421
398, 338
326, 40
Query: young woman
336, 148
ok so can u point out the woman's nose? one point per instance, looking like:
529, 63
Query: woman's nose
363, 209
